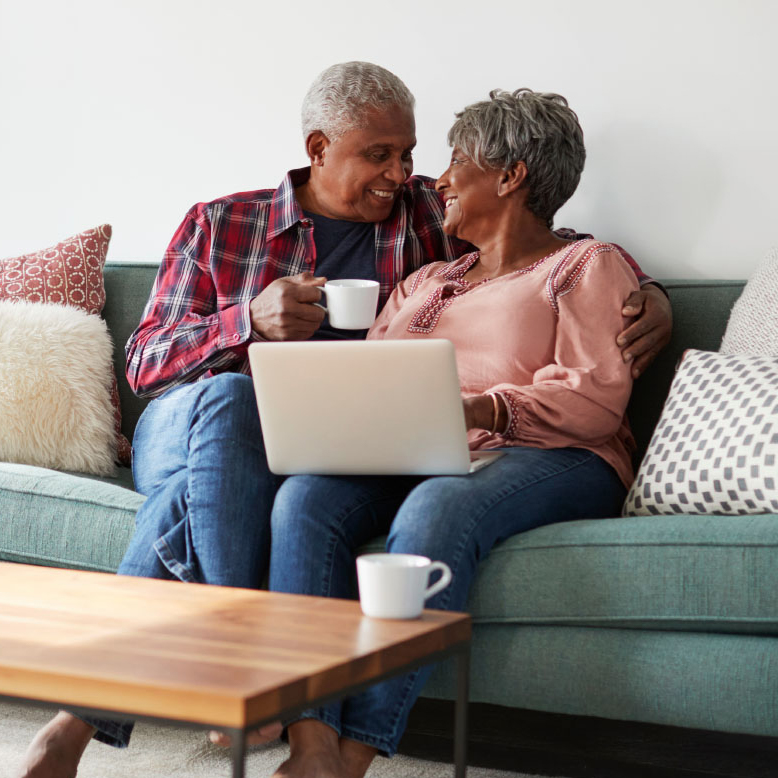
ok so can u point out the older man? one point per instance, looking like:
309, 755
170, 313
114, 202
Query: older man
245, 268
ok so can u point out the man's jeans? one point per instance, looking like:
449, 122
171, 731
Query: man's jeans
318, 523
199, 458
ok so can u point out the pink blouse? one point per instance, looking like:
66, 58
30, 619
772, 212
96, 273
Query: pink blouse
543, 337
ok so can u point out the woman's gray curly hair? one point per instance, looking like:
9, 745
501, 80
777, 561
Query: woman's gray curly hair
342, 95
538, 128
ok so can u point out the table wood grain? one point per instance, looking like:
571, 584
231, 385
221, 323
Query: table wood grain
188, 652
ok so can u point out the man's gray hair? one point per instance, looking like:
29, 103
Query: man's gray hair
342, 95
538, 128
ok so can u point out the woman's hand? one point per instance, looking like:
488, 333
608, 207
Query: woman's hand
645, 338
479, 413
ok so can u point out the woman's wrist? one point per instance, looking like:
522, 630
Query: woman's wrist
499, 414
487, 412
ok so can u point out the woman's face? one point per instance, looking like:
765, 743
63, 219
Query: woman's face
470, 196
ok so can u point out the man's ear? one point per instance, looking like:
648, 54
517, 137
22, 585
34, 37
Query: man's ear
512, 179
315, 145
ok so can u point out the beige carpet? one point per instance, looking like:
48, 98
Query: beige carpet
171, 752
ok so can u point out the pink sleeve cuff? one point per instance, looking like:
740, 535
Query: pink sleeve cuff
513, 416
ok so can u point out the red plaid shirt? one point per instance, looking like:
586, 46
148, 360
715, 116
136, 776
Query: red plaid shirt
197, 324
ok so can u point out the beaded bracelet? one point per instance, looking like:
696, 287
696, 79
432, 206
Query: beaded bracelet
493, 395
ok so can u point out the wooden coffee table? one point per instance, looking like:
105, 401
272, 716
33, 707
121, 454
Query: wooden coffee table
208, 656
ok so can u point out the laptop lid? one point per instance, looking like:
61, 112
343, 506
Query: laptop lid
378, 407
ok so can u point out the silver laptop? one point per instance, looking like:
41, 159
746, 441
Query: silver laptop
379, 407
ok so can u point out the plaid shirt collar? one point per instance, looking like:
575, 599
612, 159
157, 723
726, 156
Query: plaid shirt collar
285, 211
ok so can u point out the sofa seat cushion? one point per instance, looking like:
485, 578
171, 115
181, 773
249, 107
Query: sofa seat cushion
65, 520
692, 573
708, 573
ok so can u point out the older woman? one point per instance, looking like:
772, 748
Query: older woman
534, 320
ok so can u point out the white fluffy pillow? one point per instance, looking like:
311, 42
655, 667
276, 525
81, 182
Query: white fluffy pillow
55, 382
753, 323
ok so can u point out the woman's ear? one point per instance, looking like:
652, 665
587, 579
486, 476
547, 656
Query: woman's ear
315, 145
512, 179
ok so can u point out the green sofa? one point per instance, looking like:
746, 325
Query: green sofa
665, 620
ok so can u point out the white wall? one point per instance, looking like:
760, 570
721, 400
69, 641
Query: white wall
129, 111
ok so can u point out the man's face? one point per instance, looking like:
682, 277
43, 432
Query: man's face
361, 172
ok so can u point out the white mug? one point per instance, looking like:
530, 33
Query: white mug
351, 302
395, 586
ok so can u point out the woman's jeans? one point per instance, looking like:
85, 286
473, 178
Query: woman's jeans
199, 458
319, 522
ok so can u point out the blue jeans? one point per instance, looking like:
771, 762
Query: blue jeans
199, 458
318, 523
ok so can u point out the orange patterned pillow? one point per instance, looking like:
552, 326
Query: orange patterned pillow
70, 273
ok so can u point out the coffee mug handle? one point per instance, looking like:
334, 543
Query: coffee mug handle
323, 297
444, 581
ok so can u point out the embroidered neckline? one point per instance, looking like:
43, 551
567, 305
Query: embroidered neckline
467, 262
427, 317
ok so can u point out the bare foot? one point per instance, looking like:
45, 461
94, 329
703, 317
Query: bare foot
356, 756
317, 752
311, 764
254, 738
57, 748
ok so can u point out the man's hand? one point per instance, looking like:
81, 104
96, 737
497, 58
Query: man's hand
284, 309
645, 338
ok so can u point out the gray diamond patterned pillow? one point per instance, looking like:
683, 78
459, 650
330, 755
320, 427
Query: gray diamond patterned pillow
715, 447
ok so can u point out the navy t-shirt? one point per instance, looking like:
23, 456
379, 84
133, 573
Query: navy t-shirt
343, 250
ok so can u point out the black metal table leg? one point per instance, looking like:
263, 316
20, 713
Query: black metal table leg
238, 753
460, 713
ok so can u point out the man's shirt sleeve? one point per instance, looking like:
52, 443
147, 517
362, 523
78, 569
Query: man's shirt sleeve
183, 333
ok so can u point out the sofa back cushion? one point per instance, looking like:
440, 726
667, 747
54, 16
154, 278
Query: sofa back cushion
700, 313
127, 287
700, 310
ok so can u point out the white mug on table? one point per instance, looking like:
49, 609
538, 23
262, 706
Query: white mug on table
396, 586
